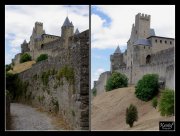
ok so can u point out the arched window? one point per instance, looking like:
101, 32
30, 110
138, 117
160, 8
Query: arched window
42, 46
148, 59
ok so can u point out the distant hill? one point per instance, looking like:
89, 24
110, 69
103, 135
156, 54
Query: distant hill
109, 109
22, 66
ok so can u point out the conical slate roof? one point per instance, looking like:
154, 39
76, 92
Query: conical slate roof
25, 41
117, 50
67, 22
77, 31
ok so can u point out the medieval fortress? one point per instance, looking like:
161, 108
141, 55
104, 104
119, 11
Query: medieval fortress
66, 93
40, 41
145, 53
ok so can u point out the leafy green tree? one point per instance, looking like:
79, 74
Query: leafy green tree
131, 115
42, 57
25, 57
117, 80
166, 105
147, 87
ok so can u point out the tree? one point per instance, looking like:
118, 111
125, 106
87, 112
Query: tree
131, 115
154, 102
25, 57
42, 57
147, 87
166, 105
117, 80
8, 67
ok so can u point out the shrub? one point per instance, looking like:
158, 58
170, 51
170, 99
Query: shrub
154, 102
166, 105
42, 57
8, 67
117, 80
25, 57
94, 91
147, 87
131, 115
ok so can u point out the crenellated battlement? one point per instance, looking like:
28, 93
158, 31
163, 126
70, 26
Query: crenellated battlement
143, 16
38, 24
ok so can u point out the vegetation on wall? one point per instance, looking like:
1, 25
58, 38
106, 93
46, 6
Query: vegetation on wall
131, 115
166, 105
42, 57
117, 80
45, 78
25, 57
147, 87
67, 73
55, 104
16, 87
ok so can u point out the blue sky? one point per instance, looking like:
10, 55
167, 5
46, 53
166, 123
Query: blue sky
111, 26
20, 20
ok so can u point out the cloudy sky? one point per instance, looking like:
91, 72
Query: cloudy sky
111, 26
19, 22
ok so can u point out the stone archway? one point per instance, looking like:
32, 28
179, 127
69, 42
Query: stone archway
148, 59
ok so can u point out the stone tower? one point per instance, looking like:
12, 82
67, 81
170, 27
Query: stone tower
24, 47
116, 60
67, 29
140, 31
36, 35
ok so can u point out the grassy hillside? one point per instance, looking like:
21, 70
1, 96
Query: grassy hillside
21, 67
109, 109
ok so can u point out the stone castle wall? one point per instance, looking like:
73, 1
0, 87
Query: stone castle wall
100, 84
162, 63
71, 97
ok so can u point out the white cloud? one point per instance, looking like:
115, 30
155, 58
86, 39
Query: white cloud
20, 19
162, 20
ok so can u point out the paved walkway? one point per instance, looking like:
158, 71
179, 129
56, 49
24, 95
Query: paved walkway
27, 118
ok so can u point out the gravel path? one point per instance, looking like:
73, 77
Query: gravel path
27, 118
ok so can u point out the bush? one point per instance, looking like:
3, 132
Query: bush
8, 67
147, 87
154, 102
94, 91
131, 115
25, 57
42, 57
117, 80
166, 105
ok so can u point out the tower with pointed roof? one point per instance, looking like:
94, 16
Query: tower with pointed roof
67, 29
116, 59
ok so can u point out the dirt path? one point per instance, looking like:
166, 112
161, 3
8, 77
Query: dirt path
27, 118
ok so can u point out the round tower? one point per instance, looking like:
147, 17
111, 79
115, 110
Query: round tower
67, 29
